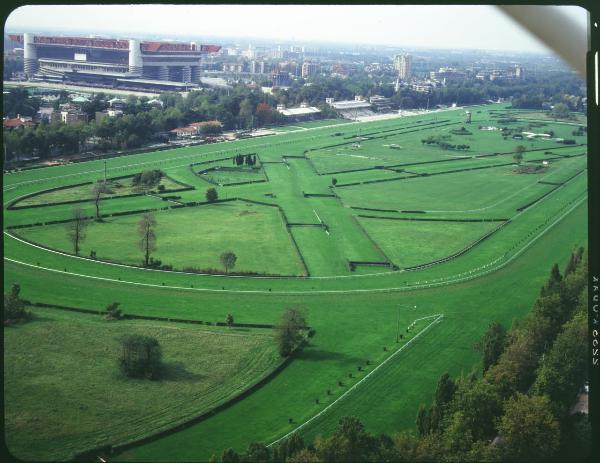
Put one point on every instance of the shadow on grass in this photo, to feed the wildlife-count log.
(176, 371)
(319, 355)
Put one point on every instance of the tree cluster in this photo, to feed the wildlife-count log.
(140, 356)
(247, 159)
(147, 178)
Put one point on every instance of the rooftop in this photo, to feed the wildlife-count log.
(299, 111)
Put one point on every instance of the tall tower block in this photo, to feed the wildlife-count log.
(30, 58)
(135, 57)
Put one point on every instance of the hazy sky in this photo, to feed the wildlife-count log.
(479, 27)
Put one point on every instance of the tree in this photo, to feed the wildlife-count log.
(140, 356)
(76, 228)
(230, 456)
(229, 320)
(445, 390)
(529, 430)
(257, 453)
(554, 281)
(147, 242)
(518, 156)
(563, 370)
(99, 189)
(228, 259)
(113, 312)
(560, 111)
(211, 195)
(480, 405)
(263, 114)
(14, 306)
(574, 261)
(289, 447)
(422, 422)
(334, 181)
(289, 330)
(491, 345)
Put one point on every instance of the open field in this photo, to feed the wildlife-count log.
(254, 233)
(409, 243)
(115, 187)
(62, 384)
(403, 202)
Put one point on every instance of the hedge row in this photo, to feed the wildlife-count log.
(418, 219)
(383, 254)
(459, 253)
(352, 264)
(373, 209)
(147, 317)
(132, 212)
(522, 208)
(399, 129)
(542, 182)
(318, 195)
(297, 224)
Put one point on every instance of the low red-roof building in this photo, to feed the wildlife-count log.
(17, 122)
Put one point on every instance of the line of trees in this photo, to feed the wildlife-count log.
(519, 410)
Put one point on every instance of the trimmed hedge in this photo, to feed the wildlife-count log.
(459, 253)
(418, 219)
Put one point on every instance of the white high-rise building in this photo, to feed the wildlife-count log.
(403, 64)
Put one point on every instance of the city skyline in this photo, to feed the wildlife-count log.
(351, 24)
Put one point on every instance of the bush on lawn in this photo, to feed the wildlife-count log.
(140, 356)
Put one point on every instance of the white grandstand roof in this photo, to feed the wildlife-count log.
(299, 111)
(350, 104)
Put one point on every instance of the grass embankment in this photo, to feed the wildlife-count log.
(64, 393)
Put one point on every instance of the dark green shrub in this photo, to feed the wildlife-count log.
(140, 356)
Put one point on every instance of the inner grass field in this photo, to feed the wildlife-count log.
(189, 238)
(409, 243)
(115, 187)
(298, 222)
(64, 393)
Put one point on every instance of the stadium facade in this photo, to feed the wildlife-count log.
(112, 62)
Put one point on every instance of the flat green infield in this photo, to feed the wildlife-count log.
(412, 243)
(115, 187)
(190, 237)
(64, 392)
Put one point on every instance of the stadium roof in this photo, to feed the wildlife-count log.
(299, 111)
(350, 104)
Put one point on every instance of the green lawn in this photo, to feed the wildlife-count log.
(497, 189)
(189, 237)
(410, 243)
(64, 393)
(116, 187)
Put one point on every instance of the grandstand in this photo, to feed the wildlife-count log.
(351, 109)
(112, 62)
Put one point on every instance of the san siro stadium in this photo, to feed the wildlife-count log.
(106, 62)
